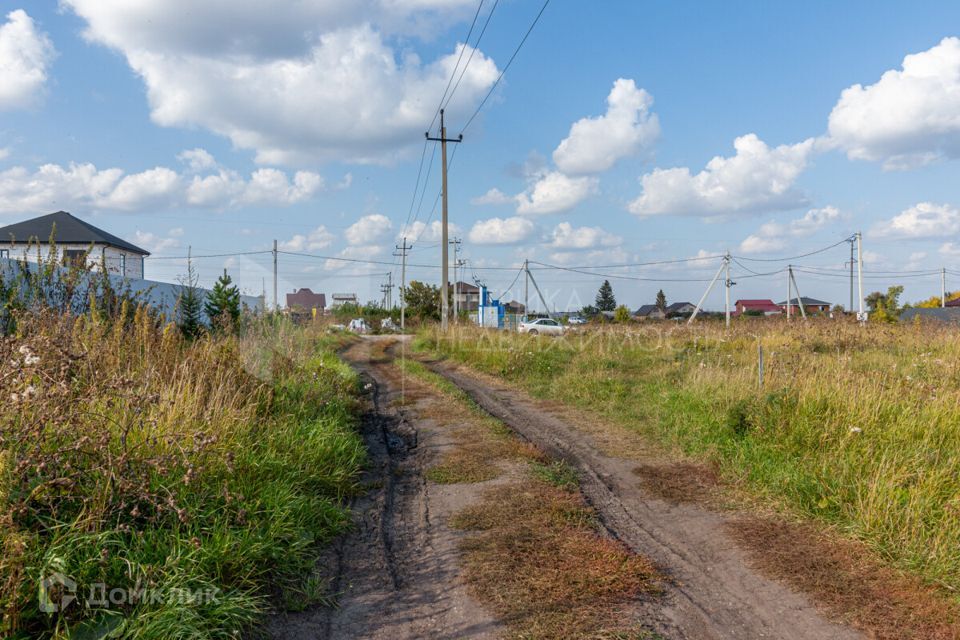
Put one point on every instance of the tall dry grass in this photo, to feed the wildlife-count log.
(205, 473)
(855, 426)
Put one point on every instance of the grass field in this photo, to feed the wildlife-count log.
(195, 481)
(855, 426)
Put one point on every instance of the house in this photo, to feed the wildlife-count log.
(810, 305)
(757, 308)
(953, 303)
(680, 309)
(304, 302)
(75, 241)
(466, 296)
(650, 312)
(515, 308)
(340, 299)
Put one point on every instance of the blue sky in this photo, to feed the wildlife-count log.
(221, 126)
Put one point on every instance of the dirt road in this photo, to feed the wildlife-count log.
(398, 574)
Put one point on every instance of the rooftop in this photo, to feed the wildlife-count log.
(66, 229)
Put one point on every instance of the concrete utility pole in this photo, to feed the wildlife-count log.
(696, 310)
(729, 283)
(789, 290)
(402, 252)
(275, 307)
(456, 295)
(852, 262)
(860, 272)
(445, 269)
(943, 287)
(793, 279)
(456, 283)
(526, 287)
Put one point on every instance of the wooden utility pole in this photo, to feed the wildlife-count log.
(402, 252)
(444, 240)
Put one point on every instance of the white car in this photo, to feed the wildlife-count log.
(576, 320)
(546, 326)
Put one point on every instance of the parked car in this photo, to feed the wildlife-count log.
(576, 320)
(359, 325)
(547, 326)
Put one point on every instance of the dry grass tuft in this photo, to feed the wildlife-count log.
(538, 560)
(678, 482)
(848, 581)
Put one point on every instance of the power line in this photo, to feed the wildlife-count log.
(509, 62)
(456, 66)
(804, 255)
(212, 255)
(472, 52)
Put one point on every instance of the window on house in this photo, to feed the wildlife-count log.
(4, 254)
(123, 264)
(74, 257)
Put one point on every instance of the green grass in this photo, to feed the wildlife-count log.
(855, 426)
(136, 459)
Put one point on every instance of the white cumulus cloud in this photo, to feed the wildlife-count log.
(774, 236)
(923, 220)
(368, 229)
(910, 117)
(296, 82)
(84, 186)
(501, 231)
(319, 238)
(596, 144)
(421, 231)
(758, 178)
(492, 197)
(554, 192)
(566, 236)
(25, 58)
(197, 159)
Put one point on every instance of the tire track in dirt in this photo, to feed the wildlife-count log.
(396, 574)
(715, 594)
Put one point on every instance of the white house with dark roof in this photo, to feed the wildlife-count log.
(74, 240)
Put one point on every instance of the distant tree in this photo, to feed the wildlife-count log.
(934, 301)
(885, 307)
(621, 314)
(589, 311)
(223, 303)
(661, 301)
(422, 300)
(190, 304)
(605, 298)
(837, 309)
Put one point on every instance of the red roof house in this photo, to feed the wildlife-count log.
(755, 307)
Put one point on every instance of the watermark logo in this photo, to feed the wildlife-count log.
(57, 592)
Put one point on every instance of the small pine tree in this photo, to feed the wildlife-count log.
(605, 298)
(223, 303)
(190, 304)
(622, 314)
(662, 301)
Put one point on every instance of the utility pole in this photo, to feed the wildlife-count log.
(456, 283)
(696, 310)
(789, 290)
(526, 287)
(402, 252)
(275, 308)
(943, 287)
(444, 271)
(860, 273)
(852, 262)
(456, 296)
(729, 284)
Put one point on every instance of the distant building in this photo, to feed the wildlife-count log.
(305, 302)
(953, 303)
(650, 312)
(75, 241)
(466, 295)
(680, 309)
(810, 305)
(757, 307)
(515, 308)
(340, 299)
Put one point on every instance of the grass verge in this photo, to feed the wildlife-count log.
(191, 483)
